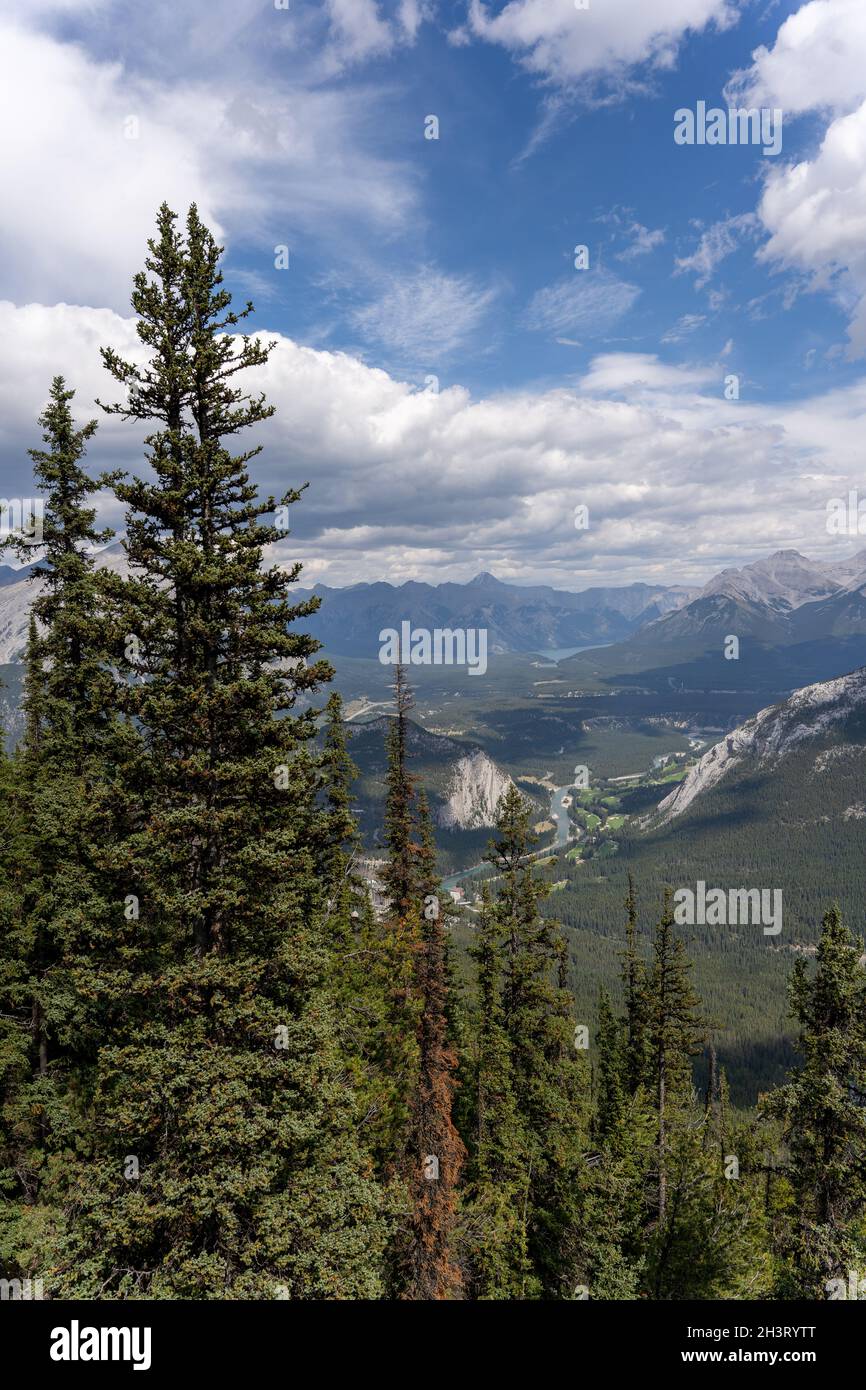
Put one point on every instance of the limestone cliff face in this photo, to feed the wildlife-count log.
(768, 737)
(473, 793)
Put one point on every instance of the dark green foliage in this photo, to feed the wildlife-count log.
(227, 1069)
(56, 895)
(227, 1160)
(527, 1133)
(822, 1111)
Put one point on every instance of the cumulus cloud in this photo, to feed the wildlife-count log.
(815, 210)
(817, 61)
(605, 43)
(407, 482)
(97, 148)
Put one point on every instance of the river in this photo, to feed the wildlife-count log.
(564, 832)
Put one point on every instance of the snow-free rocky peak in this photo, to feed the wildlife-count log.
(786, 580)
(473, 793)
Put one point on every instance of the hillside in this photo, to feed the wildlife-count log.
(778, 803)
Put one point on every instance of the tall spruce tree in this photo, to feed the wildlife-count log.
(549, 1079)
(227, 1162)
(435, 1151)
(57, 802)
(674, 1037)
(822, 1110)
(634, 979)
(495, 1220)
(611, 1087)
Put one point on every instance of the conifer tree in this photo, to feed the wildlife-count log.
(822, 1110)
(435, 1150)
(397, 945)
(674, 1036)
(634, 978)
(497, 1174)
(56, 799)
(549, 1081)
(228, 1163)
(611, 1080)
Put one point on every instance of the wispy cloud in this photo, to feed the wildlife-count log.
(643, 242)
(585, 304)
(425, 315)
(717, 242)
(686, 324)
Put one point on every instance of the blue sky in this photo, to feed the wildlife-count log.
(499, 217)
(449, 383)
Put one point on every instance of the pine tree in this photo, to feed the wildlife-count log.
(56, 800)
(549, 1080)
(674, 1036)
(401, 872)
(822, 1110)
(497, 1175)
(396, 945)
(435, 1151)
(634, 978)
(228, 1163)
(611, 1080)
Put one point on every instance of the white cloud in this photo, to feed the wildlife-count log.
(817, 61)
(359, 28)
(411, 15)
(425, 316)
(79, 196)
(643, 242)
(588, 302)
(685, 324)
(609, 40)
(717, 243)
(630, 371)
(36, 8)
(404, 482)
(815, 212)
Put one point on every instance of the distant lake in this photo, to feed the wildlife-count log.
(560, 653)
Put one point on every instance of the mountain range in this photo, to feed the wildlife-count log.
(518, 618)
(796, 620)
(783, 601)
